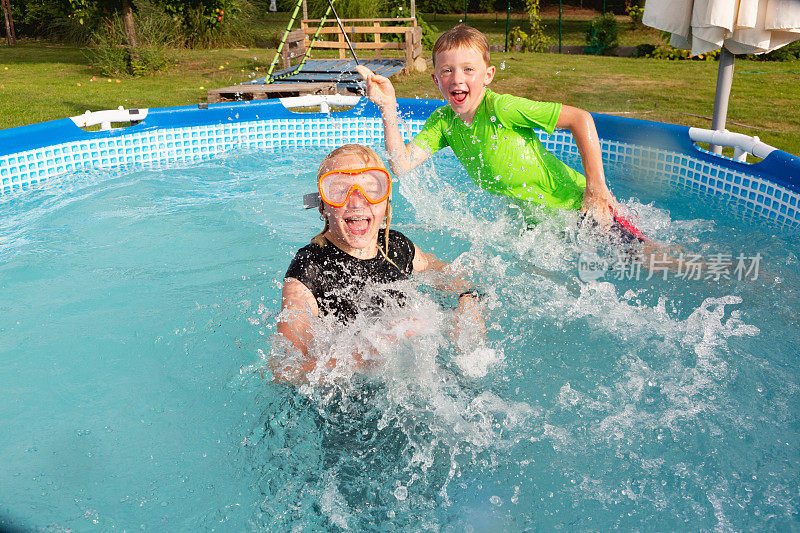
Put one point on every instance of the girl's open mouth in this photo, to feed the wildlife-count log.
(358, 224)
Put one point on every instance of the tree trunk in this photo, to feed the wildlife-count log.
(10, 37)
(130, 34)
(127, 21)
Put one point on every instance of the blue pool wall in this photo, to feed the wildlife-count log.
(30, 155)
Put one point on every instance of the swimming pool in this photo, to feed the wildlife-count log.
(137, 300)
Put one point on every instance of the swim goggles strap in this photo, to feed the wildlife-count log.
(311, 200)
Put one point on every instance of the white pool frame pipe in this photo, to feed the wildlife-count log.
(742, 144)
(106, 117)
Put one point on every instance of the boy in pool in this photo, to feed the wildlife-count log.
(492, 134)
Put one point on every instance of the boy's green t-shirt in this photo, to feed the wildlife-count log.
(501, 151)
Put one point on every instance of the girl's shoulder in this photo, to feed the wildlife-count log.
(401, 250)
(398, 237)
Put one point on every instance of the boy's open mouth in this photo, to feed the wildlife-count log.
(459, 96)
(358, 224)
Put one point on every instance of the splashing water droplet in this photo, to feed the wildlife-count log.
(401, 493)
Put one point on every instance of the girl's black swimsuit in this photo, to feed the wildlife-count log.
(338, 280)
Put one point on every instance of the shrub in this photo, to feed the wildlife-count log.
(112, 54)
(536, 41)
(644, 50)
(601, 35)
(51, 20)
(790, 52)
(518, 37)
(665, 51)
(429, 32)
(214, 23)
(635, 12)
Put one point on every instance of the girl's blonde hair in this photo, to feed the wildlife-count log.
(370, 158)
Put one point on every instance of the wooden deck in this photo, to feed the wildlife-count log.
(341, 72)
(329, 76)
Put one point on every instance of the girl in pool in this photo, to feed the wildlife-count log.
(346, 268)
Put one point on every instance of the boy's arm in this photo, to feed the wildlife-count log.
(597, 199)
(402, 157)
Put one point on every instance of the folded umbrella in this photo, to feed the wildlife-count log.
(736, 26)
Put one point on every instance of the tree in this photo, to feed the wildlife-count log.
(82, 8)
(10, 36)
(127, 21)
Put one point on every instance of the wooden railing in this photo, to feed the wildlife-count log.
(298, 41)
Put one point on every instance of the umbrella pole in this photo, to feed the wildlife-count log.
(724, 82)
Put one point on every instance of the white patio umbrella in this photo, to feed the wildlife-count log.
(736, 26)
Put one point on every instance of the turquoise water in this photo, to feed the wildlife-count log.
(138, 308)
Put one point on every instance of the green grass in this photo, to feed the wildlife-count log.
(42, 81)
(39, 82)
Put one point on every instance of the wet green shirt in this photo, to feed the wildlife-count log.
(501, 151)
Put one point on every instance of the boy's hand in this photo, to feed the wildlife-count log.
(600, 204)
(379, 89)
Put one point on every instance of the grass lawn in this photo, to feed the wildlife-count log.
(41, 81)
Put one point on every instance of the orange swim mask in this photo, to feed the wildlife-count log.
(336, 186)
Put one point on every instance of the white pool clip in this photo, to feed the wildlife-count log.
(324, 101)
(106, 117)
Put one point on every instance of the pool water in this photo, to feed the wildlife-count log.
(138, 309)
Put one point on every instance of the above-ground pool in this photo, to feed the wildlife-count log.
(141, 274)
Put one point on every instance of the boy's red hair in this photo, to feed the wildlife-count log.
(462, 35)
